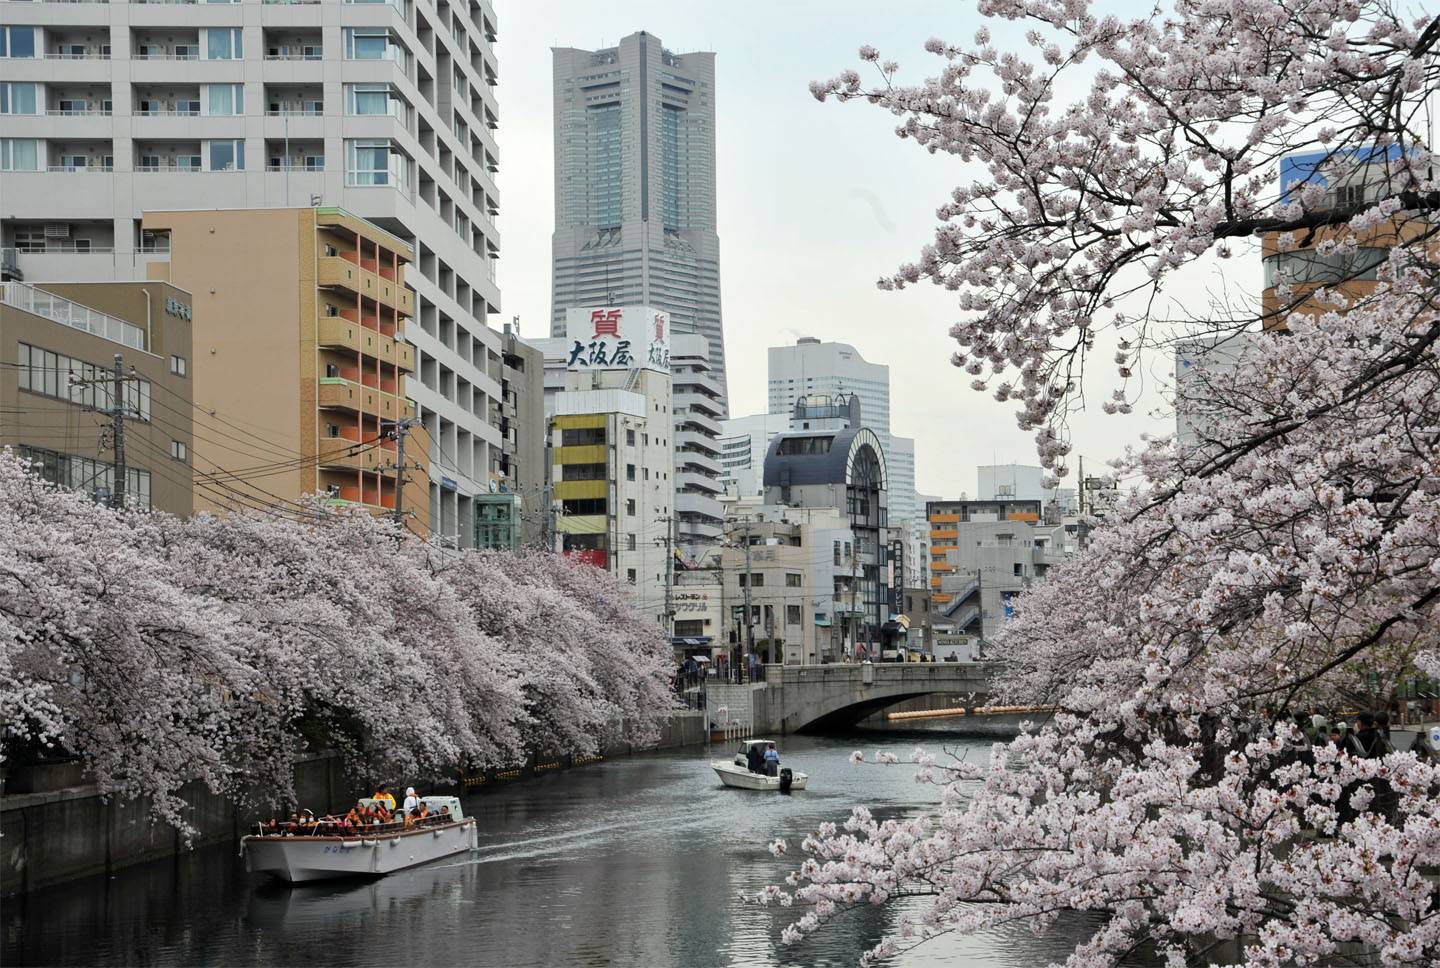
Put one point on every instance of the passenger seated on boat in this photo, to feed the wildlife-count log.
(422, 812)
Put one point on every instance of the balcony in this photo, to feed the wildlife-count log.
(341, 333)
(357, 457)
(698, 421)
(338, 393)
(703, 460)
(343, 272)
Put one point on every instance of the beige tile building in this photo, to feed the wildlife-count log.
(300, 361)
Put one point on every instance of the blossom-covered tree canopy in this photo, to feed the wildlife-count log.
(162, 650)
(1284, 561)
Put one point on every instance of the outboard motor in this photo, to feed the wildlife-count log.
(786, 778)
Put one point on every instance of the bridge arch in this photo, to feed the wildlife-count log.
(799, 698)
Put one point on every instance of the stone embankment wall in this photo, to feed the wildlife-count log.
(60, 829)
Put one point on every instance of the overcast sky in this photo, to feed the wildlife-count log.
(816, 201)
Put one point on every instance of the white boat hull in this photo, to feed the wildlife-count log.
(302, 859)
(742, 779)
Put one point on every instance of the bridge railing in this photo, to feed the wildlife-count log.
(881, 672)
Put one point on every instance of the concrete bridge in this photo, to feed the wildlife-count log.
(794, 698)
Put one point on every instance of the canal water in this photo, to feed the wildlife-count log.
(636, 861)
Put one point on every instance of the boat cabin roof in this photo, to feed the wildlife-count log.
(745, 744)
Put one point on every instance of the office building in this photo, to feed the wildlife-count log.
(613, 451)
(743, 443)
(385, 109)
(811, 368)
(843, 471)
(635, 187)
(59, 345)
(318, 318)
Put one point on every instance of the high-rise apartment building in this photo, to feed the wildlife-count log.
(387, 109)
(699, 403)
(635, 186)
(811, 368)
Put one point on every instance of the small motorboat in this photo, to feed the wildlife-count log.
(736, 773)
(369, 852)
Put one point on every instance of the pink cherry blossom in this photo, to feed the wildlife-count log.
(161, 651)
(1286, 560)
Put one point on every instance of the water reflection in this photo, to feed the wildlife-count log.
(636, 862)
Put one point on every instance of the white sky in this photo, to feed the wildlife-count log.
(816, 201)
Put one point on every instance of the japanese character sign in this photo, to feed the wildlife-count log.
(617, 338)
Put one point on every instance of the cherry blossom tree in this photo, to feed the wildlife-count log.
(1286, 560)
(163, 651)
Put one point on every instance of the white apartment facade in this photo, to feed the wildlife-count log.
(699, 409)
(386, 109)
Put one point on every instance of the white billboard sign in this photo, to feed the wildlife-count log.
(617, 338)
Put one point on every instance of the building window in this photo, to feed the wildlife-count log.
(17, 98)
(646, 472)
(84, 384)
(629, 472)
(226, 155)
(629, 542)
(792, 580)
(332, 430)
(224, 99)
(630, 507)
(757, 579)
(371, 43)
(17, 42)
(1019, 570)
(792, 615)
(630, 438)
(373, 99)
(177, 365)
(375, 163)
(178, 450)
(224, 43)
(630, 575)
(19, 154)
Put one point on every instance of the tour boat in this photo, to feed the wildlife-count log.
(371, 852)
(736, 773)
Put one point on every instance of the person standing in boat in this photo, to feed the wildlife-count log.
(755, 759)
(384, 796)
(772, 761)
(412, 802)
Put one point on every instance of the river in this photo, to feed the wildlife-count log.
(635, 861)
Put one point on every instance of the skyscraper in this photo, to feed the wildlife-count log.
(387, 109)
(635, 186)
(811, 368)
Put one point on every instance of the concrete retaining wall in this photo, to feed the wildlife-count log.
(58, 835)
(55, 836)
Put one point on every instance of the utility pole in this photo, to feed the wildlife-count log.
(854, 625)
(401, 431)
(745, 585)
(117, 430)
(669, 574)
